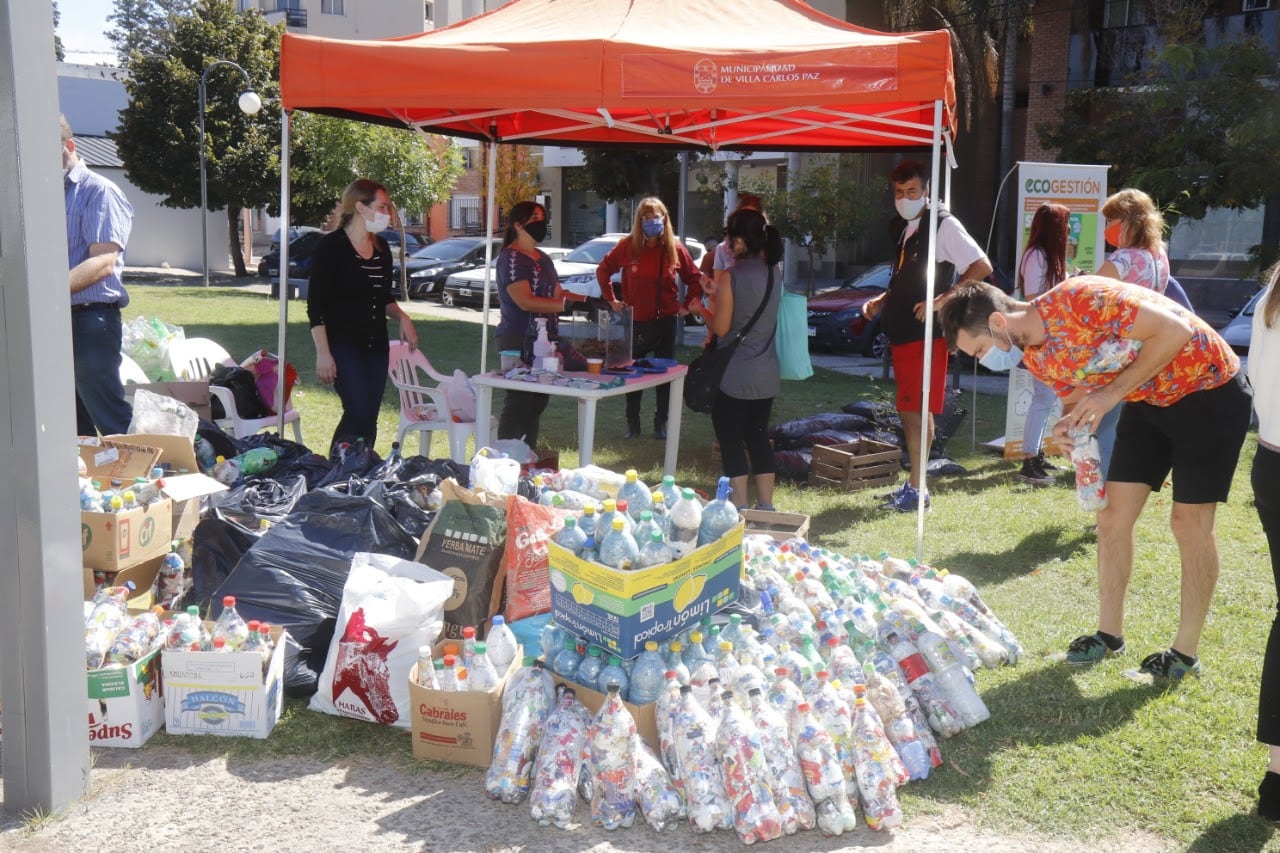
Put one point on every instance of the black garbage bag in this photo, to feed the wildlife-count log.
(793, 464)
(945, 467)
(946, 424)
(791, 434)
(287, 452)
(403, 487)
(869, 409)
(354, 458)
(294, 575)
(828, 437)
(222, 444)
(232, 527)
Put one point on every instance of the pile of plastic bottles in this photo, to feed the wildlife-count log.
(120, 496)
(114, 637)
(854, 671)
(626, 525)
(472, 664)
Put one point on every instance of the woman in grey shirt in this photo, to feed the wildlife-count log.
(741, 412)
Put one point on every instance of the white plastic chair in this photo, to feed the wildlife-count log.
(131, 372)
(195, 358)
(425, 408)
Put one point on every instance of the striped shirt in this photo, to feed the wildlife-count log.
(97, 212)
(349, 294)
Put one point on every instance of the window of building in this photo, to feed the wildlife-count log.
(333, 7)
(465, 213)
(1256, 5)
(429, 14)
(1122, 13)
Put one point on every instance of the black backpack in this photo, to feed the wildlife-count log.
(244, 388)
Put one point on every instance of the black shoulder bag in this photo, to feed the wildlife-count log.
(702, 382)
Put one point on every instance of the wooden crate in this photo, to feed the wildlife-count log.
(780, 525)
(862, 464)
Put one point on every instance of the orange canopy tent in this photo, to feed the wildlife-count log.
(687, 74)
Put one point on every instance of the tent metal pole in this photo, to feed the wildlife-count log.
(931, 283)
(489, 218)
(284, 268)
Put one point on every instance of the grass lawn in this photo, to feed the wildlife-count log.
(1074, 754)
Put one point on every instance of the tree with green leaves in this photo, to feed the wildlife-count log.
(622, 173)
(825, 204)
(58, 53)
(158, 137)
(1196, 128)
(145, 26)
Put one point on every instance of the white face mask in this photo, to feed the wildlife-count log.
(379, 222)
(998, 360)
(909, 208)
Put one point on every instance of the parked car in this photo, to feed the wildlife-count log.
(431, 265)
(467, 287)
(836, 321)
(577, 270)
(1239, 330)
(295, 231)
(301, 248)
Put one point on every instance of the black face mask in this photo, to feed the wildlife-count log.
(537, 230)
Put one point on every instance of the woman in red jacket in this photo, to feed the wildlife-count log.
(651, 259)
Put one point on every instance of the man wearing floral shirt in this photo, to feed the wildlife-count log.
(1098, 342)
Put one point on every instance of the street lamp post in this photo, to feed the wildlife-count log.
(250, 103)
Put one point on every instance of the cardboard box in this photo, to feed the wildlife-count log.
(619, 611)
(126, 704)
(780, 525)
(143, 576)
(117, 458)
(861, 464)
(113, 541)
(223, 693)
(195, 394)
(644, 715)
(188, 493)
(457, 727)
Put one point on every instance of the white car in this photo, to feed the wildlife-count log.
(577, 270)
(467, 287)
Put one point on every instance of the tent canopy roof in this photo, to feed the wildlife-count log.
(708, 74)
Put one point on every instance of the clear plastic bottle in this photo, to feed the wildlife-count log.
(468, 644)
(542, 346)
(874, 769)
(526, 703)
(746, 775)
(656, 551)
(898, 724)
(657, 796)
(220, 645)
(718, 516)
(646, 527)
(551, 639)
(1091, 480)
(567, 660)
(933, 699)
(554, 794)
(949, 674)
(661, 512)
(226, 471)
(171, 579)
(613, 673)
(482, 676)
(647, 676)
(426, 669)
(635, 493)
(604, 520)
(784, 694)
(686, 519)
(449, 674)
(695, 653)
(229, 625)
(670, 491)
(589, 551)
(618, 549)
(502, 644)
(705, 795)
(823, 775)
(794, 806)
(589, 669)
(571, 537)
(610, 740)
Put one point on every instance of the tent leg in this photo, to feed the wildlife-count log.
(930, 289)
(283, 324)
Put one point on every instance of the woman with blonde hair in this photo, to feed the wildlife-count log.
(1264, 375)
(1136, 228)
(651, 259)
(349, 299)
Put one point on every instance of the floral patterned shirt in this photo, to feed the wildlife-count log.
(1140, 267)
(1087, 320)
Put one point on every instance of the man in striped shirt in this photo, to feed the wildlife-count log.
(99, 219)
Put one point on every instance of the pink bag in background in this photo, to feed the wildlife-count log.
(265, 367)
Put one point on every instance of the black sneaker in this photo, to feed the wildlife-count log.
(1045, 464)
(1035, 475)
(1168, 664)
(633, 429)
(1090, 649)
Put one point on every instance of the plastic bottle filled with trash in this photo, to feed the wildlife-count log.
(887, 668)
(1091, 480)
(899, 727)
(949, 674)
(525, 706)
(661, 512)
(747, 780)
(502, 644)
(719, 516)
(660, 803)
(230, 625)
(686, 520)
(705, 796)
(426, 669)
(646, 527)
(647, 676)
(670, 491)
(564, 738)
(171, 579)
(604, 520)
(654, 552)
(137, 639)
(611, 740)
(875, 774)
(109, 616)
(795, 809)
(635, 493)
(618, 549)
(823, 775)
(664, 714)
(613, 673)
(590, 552)
(482, 675)
(933, 698)
(571, 537)
(226, 471)
(589, 670)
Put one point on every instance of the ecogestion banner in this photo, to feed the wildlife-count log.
(1081, 189)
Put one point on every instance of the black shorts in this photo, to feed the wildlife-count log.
(1198, 438)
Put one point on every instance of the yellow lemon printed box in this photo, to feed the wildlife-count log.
(621, 610)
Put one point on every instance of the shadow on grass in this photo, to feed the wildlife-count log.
(991, 567)
(1240, 832)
